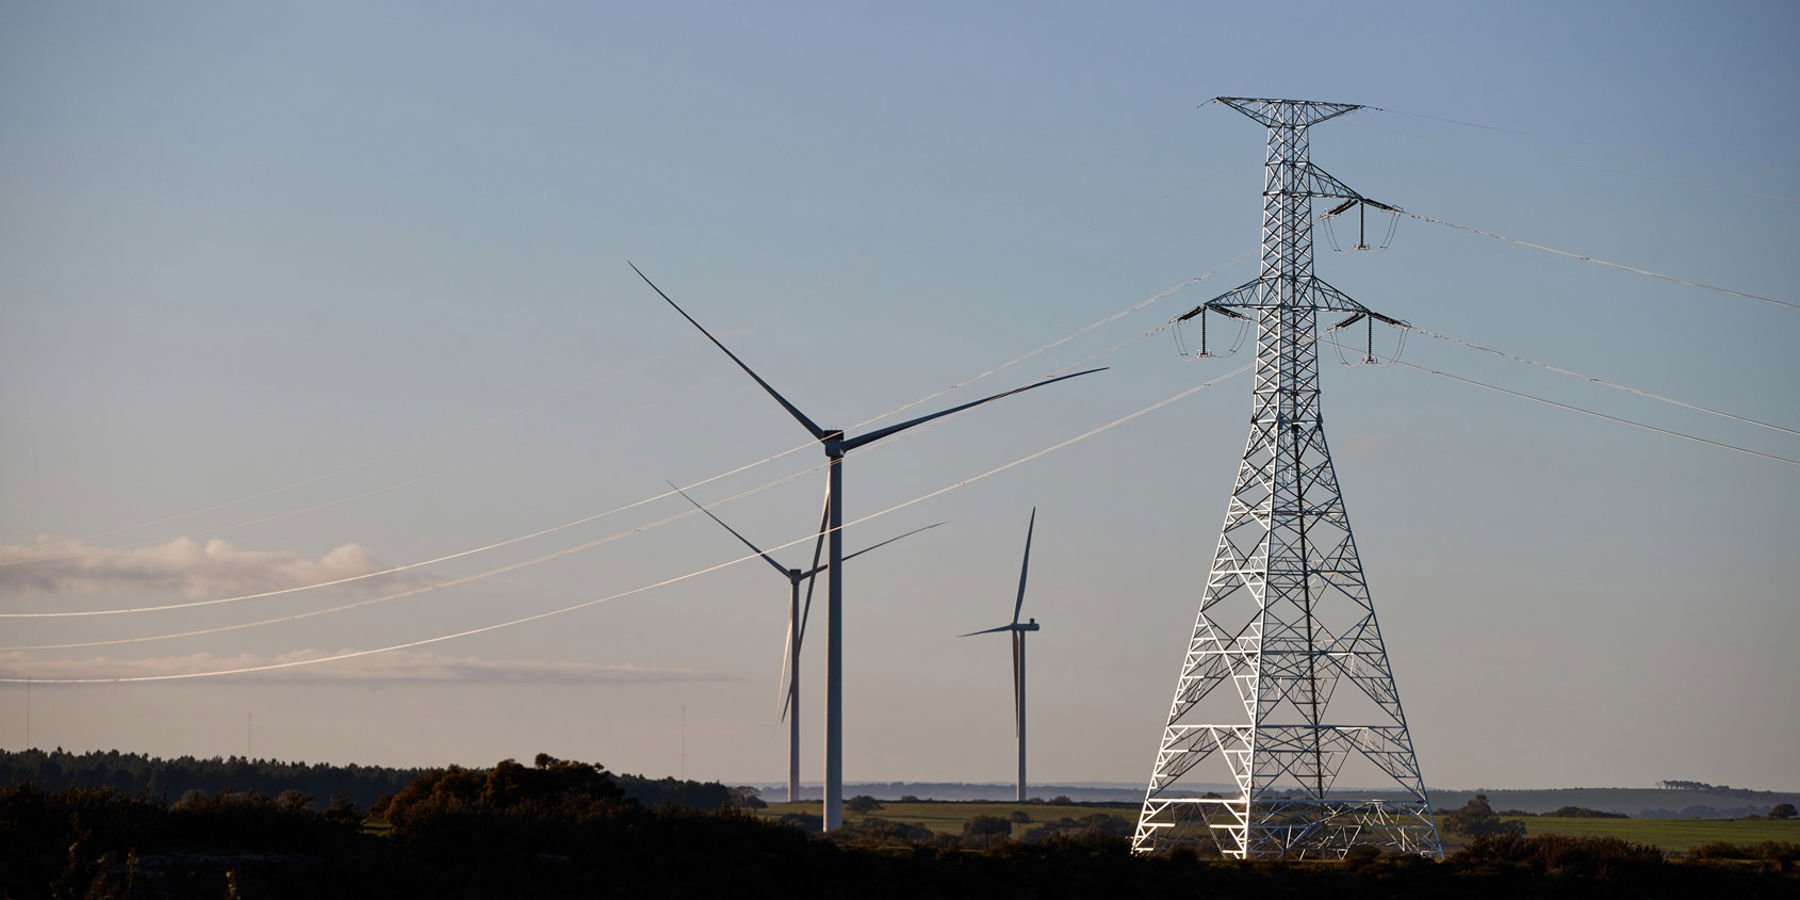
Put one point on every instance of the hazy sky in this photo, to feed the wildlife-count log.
(290, 292)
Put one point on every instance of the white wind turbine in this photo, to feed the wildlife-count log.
(836, 444)
(1018, 630)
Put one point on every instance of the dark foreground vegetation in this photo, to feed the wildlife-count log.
(567, 829)
(359, 786)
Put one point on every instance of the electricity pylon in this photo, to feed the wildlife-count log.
(1286, 617)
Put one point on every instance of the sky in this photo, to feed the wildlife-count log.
(290, 293)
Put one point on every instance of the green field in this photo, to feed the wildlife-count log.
(1669, 834)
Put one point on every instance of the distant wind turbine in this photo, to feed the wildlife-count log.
(796, 628)
(836, 445)
(1018, 646)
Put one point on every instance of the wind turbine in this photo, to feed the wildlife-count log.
(796, 630)
(1018, 630)
(836, 445)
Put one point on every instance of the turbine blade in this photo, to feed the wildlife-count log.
(849, 556)
(812, 576)
(786, 642)
(734, 532)
(1025, 567)
(1018, 677)
(987, 631)
(817, 432)
(878, 434)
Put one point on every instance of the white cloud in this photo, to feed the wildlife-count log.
(383, 668)
(182, 565)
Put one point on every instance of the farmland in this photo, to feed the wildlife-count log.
(1677, 835)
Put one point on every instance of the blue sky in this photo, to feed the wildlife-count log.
(244, 246)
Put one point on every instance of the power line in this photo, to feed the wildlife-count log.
(502, 416)
(1609, 170)
(1596, 260)
(421, 589)
(1593, 379)
(1654, 151)
(1086, 329)
(501, 570)
(591, 518)
(1611, 418)
(407, 645)
(395, 569)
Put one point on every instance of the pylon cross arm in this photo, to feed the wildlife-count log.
(1295, 113)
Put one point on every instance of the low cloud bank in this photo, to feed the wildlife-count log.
(183, 565)
(384, 668)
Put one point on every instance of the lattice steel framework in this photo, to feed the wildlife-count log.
(1286, 617)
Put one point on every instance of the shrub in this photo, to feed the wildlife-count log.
(986, 828)
(1557, 854)
(807, 822)
(1582, 812)
(1478, 819)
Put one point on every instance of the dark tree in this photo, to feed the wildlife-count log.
(1782, 811)
(862, 804)
(746, 797)
(1477, 819)
(985, 829)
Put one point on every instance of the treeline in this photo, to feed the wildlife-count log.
(557, 829)
(1725, 789)
(168, 780)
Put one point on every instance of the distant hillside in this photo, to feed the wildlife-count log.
(1638, 803)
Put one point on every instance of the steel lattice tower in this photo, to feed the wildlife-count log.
(1286, 618)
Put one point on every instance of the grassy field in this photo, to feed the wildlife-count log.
(1669, 834)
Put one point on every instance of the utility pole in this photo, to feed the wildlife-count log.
(1286, 678)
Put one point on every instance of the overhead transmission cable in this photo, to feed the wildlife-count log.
(1607, 170)
(1587, 412)
(1584, 411)
(1597, 261)
(1554, 138)
(502, 416)
(1593, 379)
(420, 589)
(1086, 329)
(392, 570)
(1611, 418)
(629, 506)
(407, 645)
(516, 566)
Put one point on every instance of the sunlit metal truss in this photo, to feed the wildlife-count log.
(1286, 618)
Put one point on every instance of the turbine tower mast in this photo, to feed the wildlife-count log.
(1286, 614)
